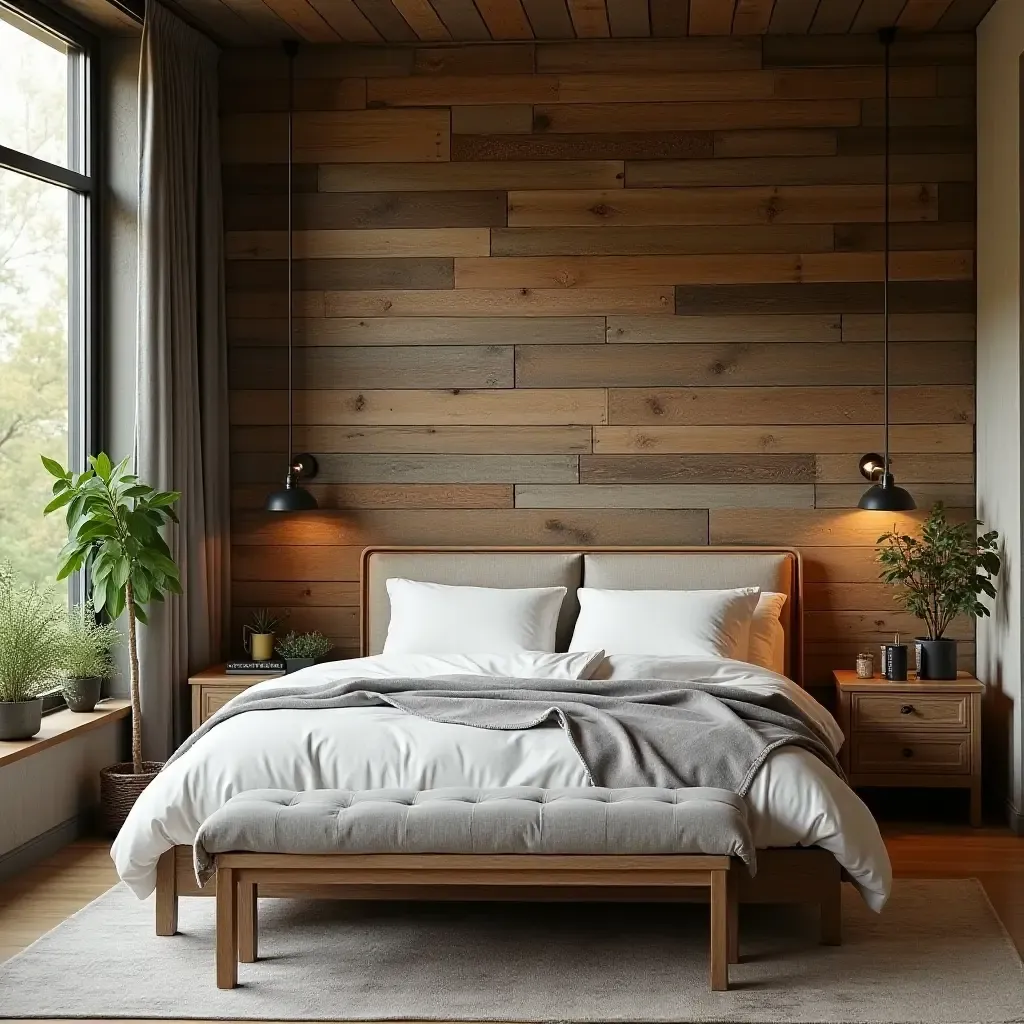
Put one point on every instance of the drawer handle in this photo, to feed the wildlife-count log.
(908, 752)
(907, 709)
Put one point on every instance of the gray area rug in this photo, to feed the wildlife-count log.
(938, 954)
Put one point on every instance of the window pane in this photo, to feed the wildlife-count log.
(34, 346)
(34, 80)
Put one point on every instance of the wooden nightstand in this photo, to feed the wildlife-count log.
(913, 733)
(213, 688)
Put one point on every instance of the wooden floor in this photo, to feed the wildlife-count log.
(40, 899)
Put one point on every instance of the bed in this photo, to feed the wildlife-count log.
(811, 829)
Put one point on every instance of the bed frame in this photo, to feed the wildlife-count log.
(798, 875)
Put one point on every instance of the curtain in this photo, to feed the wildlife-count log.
(181, 428)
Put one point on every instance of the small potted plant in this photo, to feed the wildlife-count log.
(941, 574)
(88, 659)
(32, 640)
(258, 634)
(114, 522)
(300, 650)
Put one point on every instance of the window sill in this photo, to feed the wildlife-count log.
(62, 726)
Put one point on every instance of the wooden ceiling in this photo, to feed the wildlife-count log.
(250, 22)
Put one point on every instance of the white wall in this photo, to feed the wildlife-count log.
(1000, 45)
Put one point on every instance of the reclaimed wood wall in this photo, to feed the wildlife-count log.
(608, 293)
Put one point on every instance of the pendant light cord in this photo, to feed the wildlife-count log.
(887, 37)
(290, 48)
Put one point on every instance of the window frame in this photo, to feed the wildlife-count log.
(84, 237)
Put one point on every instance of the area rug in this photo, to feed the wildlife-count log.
(937, 954)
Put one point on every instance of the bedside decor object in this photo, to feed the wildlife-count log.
(883, 495)
(941, 574)
(32, 652)
(292, 497)
(114, 522)
(894, 660)
(916, 733)
(300, 650)
(258, 634)
(88, 658)
(865, 666)
(270, 667)
(215, 686)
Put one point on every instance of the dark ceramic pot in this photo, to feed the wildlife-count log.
(294, 664)
(20, 719)
(936, 659)
(82, 693)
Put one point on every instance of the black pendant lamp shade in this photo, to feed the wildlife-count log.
(292, 497)
(883, 495)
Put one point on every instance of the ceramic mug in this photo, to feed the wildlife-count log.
(259, 646)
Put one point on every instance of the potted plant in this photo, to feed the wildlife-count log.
(114, 524)
(941, 574)
(258, 634)
(88, 658)
(300, 650)
(32, 641)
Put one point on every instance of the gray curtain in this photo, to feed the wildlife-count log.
(181, 423)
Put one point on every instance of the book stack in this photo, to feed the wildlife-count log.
(272, 667)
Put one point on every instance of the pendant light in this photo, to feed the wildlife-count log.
(884, 495)
(292, 498)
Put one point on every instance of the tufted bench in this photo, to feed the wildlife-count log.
(464, 838)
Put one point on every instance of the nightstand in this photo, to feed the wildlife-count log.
(913, 733)
(213, 688)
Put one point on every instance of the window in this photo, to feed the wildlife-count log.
(48, 215)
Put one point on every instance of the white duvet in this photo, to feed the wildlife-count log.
(794, 801)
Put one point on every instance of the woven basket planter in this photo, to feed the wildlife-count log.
(120, 787)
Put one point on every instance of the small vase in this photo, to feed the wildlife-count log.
(294, 664)
(936, 659)
(261, 646)
(82, 693)
(20, 719)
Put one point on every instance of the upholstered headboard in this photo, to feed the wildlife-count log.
(703, 568)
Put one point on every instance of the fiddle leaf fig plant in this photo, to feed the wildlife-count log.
(944, 572)
(114, 522)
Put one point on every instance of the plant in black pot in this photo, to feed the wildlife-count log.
(32, 643)
(941, 574)
(114, 523)
(88, 660)
(300, 650)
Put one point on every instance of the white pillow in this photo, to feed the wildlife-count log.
(767, 637)
(665, 622)
(432, 618)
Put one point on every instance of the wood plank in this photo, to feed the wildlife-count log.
(704, 329)
(830, 565)
(559, 527)
(792, 17)
(309, 94)
(727, 268)
(589, 18)
(910, 469)
(697, 469)
(313, 563)
(501, 302)
(654, 117)
(550, 19)
(939, 110)
(913, 140)
(910, 327)
(351, 244)
(664, 87)
(795, 204)
(348, 136)
(751, 17)
(421, 367)
(494, 118)
(853, 83)
(655, 440)
(629, 18)
(595, 146)
(249, 275)
(690, 406)
(505, 19)
(849, 597)
(841, 528)
(625, 241)
(834, 17)
(926, 495)
(337, 624)
(351, 496)
(456, 179)
(670, 17)
(650, 56)
(462, 19)
(758, 142)
(804, 51)
(866, 625)
(274, 304)
(423, 19)
(304, 19)
(711, 17)
(432, 440)
(261, 467)
(491, 58)
(665, 496)
(295, 594)
(722, 365)
(535, 330)
(536, 407)
(924, 235)
(462, 90)
(964, 15)
(386, 19)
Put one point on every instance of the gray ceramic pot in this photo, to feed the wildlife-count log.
(83, 692)
(294, 664)
(936, 659)
(20, 719)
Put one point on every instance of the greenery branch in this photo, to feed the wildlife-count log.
(90, 644)
(303, 645)
(33, 640)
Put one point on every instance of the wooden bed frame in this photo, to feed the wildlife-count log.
(792, 875)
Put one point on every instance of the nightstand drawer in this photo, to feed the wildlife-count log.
(908, 755)
(213, 698)
(910, 712)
